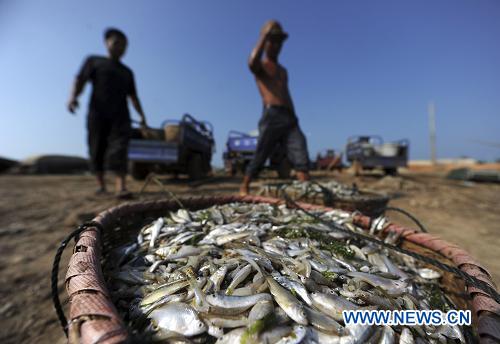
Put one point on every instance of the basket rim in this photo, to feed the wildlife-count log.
(90, 298)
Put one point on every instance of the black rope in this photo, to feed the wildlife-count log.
(470, 280)
(55, 271)
(402, 211)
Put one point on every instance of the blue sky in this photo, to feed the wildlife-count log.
(355, 67)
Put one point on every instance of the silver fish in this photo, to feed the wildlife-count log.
(178, 317)
(294, 287)
(155, 231)
(236, 302)
(323, 323)
(392, 287)
(232, 337)
(260, 310)
(297, 335)
(287, 301)
(332, 305)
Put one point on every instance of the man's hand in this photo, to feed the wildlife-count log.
(266, 30)
(72, 105)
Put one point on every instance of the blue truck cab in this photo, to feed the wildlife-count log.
(240, 150)
(179, 147)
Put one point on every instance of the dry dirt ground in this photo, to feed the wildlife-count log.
(37, 212)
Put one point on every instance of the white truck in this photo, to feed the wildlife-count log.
(368, 152)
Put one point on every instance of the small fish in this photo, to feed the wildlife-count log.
(287, 301)
(392, 287)
(260, 310)
(164, 290)
(155, 231)
(225, 321)
(298, 334)
(406, 337)
(332, 305)
(236, 302)
(182, 216)
(388, 336)
(178, 317)
(323, 323)
(275, 334)
(429, 273)
(232, 337)
(238, 278)
(294, 287)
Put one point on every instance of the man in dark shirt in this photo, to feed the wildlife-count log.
(278, 124)
(108, 121)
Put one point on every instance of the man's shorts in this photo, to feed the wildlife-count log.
(279, 125)
(108, 143)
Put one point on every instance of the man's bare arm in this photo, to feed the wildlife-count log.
(137, 106)
(255, 60)
(75, 92)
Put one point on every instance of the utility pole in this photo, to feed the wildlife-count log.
(432, 131)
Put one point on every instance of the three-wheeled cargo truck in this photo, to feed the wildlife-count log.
(368, 152)
(240, 150)
(328, 160)
(179, 147)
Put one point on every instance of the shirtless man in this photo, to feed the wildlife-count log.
(278, 124)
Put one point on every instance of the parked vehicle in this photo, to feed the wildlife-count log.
(180, 147)
(240, 150)
(368, 152)
(328, 160)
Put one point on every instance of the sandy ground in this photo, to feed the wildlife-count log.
(37, 212)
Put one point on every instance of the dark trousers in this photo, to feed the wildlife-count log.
(108, 143)
(279, 125)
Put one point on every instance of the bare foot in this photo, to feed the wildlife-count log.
(303, 176)
(245, 186)
(244, 190)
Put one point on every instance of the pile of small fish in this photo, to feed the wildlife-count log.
(301, 189)
(258, 273)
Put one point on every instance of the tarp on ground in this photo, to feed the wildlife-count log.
(53, 164)
(7, 164)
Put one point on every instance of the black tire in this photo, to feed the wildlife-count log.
(284, 169)
(195, 168)
(233, 171)
(139, 171)
(391, 171)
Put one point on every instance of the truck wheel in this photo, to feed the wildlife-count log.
(195, 168)
(138, 171)
(233, 170)
(391, 171)
(284, 169)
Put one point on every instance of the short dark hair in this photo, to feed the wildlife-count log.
(110, 32)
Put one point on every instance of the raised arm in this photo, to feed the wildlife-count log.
(255, 60)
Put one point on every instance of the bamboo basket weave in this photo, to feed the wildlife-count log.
(94, 319)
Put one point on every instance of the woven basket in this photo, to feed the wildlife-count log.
(369, 203)
(172, 132)
(94, 319)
